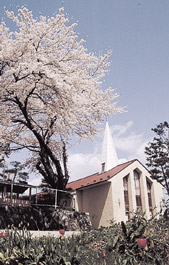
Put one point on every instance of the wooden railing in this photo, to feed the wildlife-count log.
(18, 202)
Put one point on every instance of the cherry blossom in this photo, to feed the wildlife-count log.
(50, 90)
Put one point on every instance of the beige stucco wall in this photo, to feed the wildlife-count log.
(97, 201)
(157, 196)
(118, 196)
(105, 202)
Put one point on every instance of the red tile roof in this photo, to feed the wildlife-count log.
(97, 177)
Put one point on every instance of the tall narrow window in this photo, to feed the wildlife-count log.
(149, 198)
(126, 198)
(137, 190)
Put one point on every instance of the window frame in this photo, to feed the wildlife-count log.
(126, 197)
(138, 195)
(149, 195)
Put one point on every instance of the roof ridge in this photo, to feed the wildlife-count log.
(97, 173)
(99, 177)
(127, 162)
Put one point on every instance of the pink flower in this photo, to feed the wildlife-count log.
(142, 242)
(62, 231)
(104, 253)
(3, 234)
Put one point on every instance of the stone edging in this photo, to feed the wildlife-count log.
(50, 233)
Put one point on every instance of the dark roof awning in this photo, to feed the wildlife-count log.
(17, 187)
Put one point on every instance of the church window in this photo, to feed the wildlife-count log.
(126, 197)
(149, 188)
(137, 190)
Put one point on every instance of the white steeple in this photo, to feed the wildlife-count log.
(109, 155)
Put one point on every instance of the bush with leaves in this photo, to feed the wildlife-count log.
(116, 244)
(126, 249)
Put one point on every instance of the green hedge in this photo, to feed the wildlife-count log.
(43, 218)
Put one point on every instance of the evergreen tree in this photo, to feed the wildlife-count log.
(157, 153)
(16, 171)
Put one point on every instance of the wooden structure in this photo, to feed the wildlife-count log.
(12, 193)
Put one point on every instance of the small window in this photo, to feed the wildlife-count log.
(103, 167)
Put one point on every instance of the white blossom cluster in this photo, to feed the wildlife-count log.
(50, 85)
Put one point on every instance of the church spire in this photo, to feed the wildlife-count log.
(109, 155)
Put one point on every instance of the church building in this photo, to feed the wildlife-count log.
(117, 190)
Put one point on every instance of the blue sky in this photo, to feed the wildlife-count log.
(137, 31)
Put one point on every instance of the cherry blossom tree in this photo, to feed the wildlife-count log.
(50, 90)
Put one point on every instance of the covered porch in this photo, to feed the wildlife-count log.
(14, 193)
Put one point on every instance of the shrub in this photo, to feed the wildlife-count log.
(117, 244)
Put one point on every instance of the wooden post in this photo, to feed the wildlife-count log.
(4, 193)
(11, 191)
(30, 194)
(55, 199)
(36, 197)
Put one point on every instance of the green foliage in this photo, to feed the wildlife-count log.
(156, 233)
(116, 244)
(16, 169)
(157, 153)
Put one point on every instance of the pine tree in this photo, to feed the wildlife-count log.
(157, 153)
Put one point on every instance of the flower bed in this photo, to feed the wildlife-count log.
(138, 242)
